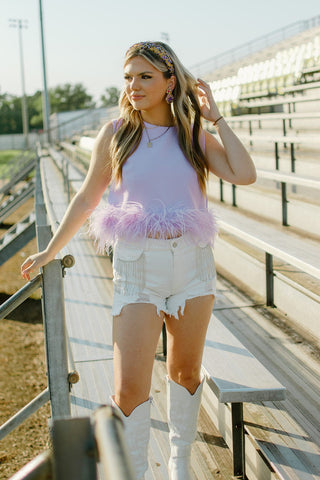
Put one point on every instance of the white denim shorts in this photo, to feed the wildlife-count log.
(165, 273)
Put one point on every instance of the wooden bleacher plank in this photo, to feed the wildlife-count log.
(301, 87)
(244, 378)
(94, 388)
(287, 446)
(306, 252)
(279, 100)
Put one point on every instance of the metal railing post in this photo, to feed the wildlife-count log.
(269, 280)
(221, 189)
(55, 338)
(276, 154)
(284, 130)
(234, 200)
(284, 202)
(292, 158)
(164, 339)
(238, 441)
(73, 449)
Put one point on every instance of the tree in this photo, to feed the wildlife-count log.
(111, 98)
(35, 111)
(10, 114)
(67, 97)
(62, 98)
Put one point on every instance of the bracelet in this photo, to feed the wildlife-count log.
(215, 123)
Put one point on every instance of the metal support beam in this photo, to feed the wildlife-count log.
(284, 127)
(164, 339)
(221, 189)
(234, 200)
(238, 441)
(269, 280)
(292, 157)
(290, 121)
(250, 131)
(284, 202)
(276, 154)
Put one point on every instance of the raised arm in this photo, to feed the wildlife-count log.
(81, 206)
(229, 161)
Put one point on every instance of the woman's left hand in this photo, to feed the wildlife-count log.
(208, 106)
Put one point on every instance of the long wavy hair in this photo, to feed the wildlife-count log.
(185, 110)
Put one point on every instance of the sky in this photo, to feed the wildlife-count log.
(85, 41)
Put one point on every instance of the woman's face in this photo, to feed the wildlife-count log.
(145, 86)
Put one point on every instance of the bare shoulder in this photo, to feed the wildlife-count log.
(104, 137)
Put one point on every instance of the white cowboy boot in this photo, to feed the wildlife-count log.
(183, 409)
(137, 434)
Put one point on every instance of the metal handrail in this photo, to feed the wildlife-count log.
(111, 445)
(40, 468)
(24, 413)
(20, 296)
(61, 369)
(78, 444)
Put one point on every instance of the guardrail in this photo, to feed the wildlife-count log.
(51, 283)
(77, 444)
(270, 252)
(283, 179)
(271, 117)
(293, 140)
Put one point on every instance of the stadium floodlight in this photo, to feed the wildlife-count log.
(45, 96)
(20, 24)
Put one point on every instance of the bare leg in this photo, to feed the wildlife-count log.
(186, 338)
(136, 333)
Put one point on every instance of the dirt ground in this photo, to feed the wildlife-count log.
(22, 360)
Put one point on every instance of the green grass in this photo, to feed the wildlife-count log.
(5, 157)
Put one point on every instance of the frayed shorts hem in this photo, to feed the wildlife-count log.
(174, 310)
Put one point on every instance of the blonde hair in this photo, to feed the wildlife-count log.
(185, 109)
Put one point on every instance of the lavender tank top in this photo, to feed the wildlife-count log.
(159, 196)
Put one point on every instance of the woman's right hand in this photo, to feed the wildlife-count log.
(34, 262)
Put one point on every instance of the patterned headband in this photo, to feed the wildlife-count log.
(158, 50)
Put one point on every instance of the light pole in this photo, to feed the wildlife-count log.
(20, 24)
(45, 97)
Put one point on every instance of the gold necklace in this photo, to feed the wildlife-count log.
(150, 140)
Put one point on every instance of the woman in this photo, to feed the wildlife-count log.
(157, 159)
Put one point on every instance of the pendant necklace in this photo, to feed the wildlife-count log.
(150, 140)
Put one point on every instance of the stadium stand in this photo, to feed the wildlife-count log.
(295, 62)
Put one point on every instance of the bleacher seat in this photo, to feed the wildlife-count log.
(285, 68)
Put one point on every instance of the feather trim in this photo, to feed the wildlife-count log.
(131, 221)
